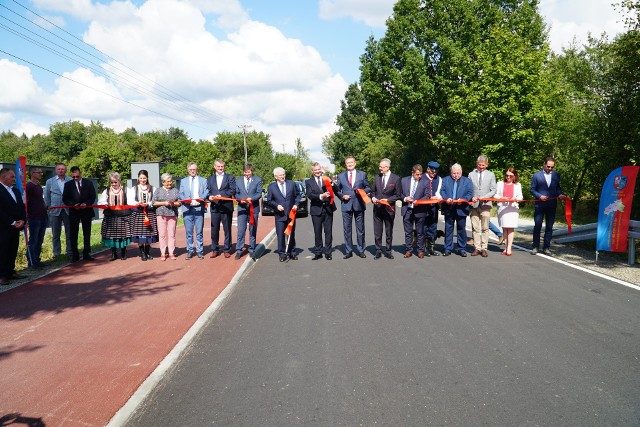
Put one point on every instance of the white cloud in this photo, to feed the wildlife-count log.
(92, 96)
(374, 13)
(569, 19)
(18, 88)
(28, 128)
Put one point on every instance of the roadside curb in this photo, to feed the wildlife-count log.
(122, 416)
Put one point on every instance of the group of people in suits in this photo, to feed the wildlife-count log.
(220, 190)
(456, 196)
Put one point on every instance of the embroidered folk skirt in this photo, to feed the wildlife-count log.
(144, 234)
(116, 231)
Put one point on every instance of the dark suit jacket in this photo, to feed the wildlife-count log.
(10, 211)
(275, 198)
(313, 193)
(421, 193)
(227, 189)
(254, 191)
(465, 191)
(392, 192)
(87, 195)
(539, 186)
(355, 203)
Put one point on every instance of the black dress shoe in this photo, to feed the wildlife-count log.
(432, 252)
(463, 254)
(238, 255)
(362, 255)
(389, 255)
(253, 256)
(349, 255)
(189, 255)
(283, 258)
(328, 257)
(88, 258)
(446, 253)
(16, 276)
(293, 257)
(316, 257)
(378, 255)
(75, 258)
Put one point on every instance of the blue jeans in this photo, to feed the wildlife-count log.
(495, 229)
(37, 230)
(243, 221)
(194, 219)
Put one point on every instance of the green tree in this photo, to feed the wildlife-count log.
(454, 78)
(105, 152)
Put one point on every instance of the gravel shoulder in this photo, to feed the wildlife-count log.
(609, 264)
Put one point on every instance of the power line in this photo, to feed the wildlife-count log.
(140, 84)
(103, 92)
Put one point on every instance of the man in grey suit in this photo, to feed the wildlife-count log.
(54, 187)
(249, 190)
(484, 185)
(195, 189)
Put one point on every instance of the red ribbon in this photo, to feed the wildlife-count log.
(113, 208)
(145, 221)
(363, 196)
(292, 217)
(327, 183)
(252, 221)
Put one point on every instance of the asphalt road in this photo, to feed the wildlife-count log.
(454, 341)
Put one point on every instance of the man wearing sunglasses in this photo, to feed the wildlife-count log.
(545, 187)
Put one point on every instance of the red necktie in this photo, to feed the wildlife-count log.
(351, 179)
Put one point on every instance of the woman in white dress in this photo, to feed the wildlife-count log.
(508, 212)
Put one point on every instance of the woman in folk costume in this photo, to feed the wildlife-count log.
(143, 220)
(116, 225)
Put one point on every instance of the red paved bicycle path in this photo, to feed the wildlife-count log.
(76, 344)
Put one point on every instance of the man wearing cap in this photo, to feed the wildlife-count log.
(484, 185)
(433, 185)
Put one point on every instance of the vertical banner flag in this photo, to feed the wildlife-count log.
(615, 209)
(21, 176)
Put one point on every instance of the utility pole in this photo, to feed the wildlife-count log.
(244, 137)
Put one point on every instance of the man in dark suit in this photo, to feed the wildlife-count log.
(545, 187)
(79, 193)
(352, 205)
(414, 187)
(433, 183)
(386, 188)
(12, 217)
(248, 188)
(321, 210)
(282, 197)
(221, 184)
(456, 191)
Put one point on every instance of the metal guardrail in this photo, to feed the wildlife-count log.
(589, 232)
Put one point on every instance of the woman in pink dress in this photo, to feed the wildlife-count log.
(508, 212)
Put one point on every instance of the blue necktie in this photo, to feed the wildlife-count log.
(455, 190)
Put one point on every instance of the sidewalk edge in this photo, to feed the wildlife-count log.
(122, 416)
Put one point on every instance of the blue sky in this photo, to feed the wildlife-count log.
(281, 66)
